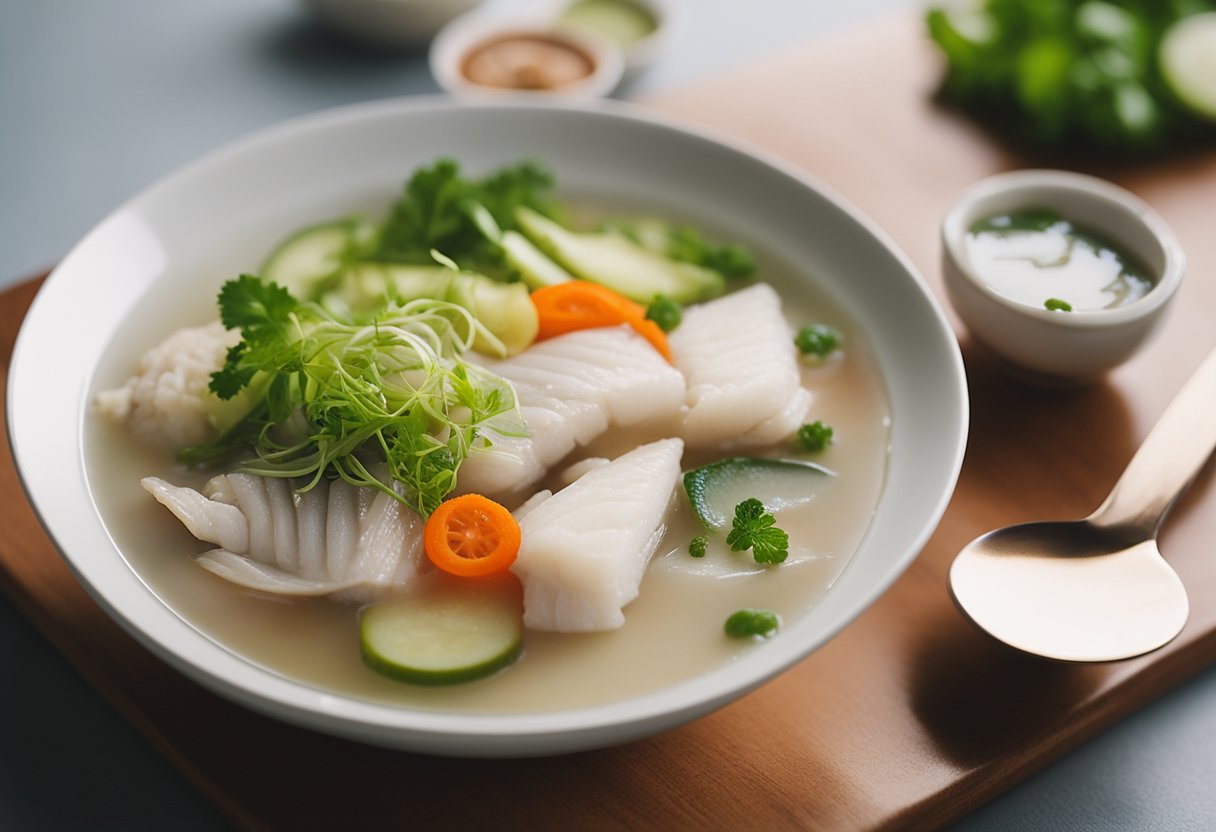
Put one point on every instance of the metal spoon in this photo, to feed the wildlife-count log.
(1096, 589)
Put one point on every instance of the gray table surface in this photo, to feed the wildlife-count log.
(99, 99)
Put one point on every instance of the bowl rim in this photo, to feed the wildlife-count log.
(954, 231)
(511, 734)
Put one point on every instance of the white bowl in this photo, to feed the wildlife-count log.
(181, 238)
(390, 23)
(1055, 347)
(460, 37)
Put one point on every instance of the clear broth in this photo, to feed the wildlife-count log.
(672, 632)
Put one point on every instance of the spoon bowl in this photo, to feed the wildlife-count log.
(1070, 590)
(1096, 589)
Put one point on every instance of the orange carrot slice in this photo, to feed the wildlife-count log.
(471, 536)
(578, 304)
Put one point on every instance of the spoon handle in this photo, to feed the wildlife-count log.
(1169, 459)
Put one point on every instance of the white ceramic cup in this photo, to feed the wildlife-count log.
(1053, 346)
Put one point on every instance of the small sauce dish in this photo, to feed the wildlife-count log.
(489, 55)
(1116, 263)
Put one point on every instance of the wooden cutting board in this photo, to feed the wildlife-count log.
(910, 717)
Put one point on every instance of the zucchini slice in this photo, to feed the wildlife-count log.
(451, 630)
(613, 260)
(310, 258)
(535, 269)
(715, 489)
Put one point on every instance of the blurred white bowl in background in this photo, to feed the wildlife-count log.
(389, 23)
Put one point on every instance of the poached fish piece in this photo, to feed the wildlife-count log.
(336, 538)
(738, 357)
(572, 389)
(585, 548)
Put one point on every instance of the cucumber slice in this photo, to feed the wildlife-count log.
(715, 489)
(310, 258)
(1187, 56)
(506, 309)
(451, 630)
(615, 261)
(537, 270)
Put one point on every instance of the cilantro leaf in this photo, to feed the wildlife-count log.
(755, 528)
(251, 304)
(264, 312)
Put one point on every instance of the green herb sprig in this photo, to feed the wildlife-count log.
(342, 399)
(755, 528)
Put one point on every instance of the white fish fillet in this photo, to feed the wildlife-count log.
(166, 403)
(335, 538)
(572, 389)
(585, 548)
(738, 356)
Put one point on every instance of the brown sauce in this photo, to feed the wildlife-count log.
(527, 62)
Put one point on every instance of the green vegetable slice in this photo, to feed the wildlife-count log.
(1187, 56)
(715, 489)
(505, 309)
(535, 269)
(453, 630)
(619, 263)
(311, 258)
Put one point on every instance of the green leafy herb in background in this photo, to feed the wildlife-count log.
(1081, 75)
